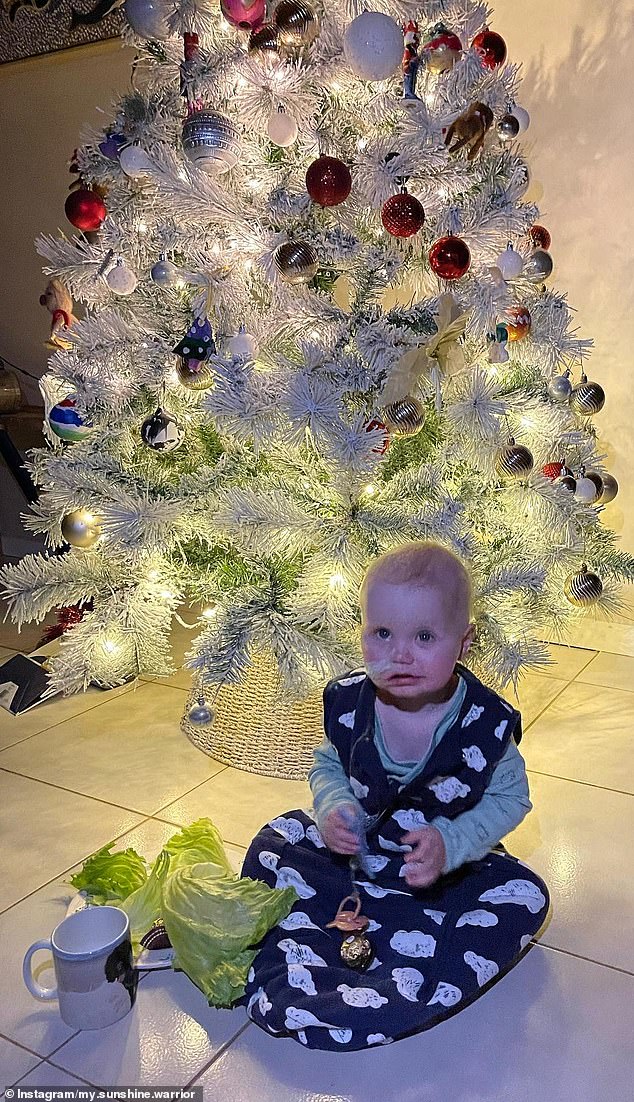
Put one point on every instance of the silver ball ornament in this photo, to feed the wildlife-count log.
(597, 478)
(538, 267)
(135, 162)
(514, 461)
(201, 713)
(560, 388)
(522, 116)
(148, 18)
(508, 127)
(405, 417)
(584, 588)
(211, 141)
(81, 529)
(568, 481)
(587, 398)
(243, 345)
(164, 273)
(161, 432)
(610, 488)
(296, 261)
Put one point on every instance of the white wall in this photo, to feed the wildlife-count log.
(578, 84)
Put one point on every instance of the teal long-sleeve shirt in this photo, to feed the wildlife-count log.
(470, 835)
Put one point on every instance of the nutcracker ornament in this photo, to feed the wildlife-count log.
(411, 60)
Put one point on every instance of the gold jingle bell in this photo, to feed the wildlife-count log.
(356, 950)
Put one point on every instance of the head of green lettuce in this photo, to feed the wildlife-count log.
(213, 919)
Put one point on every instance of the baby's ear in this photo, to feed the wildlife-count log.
(467, 640)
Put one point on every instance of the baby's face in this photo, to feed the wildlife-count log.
(411, 641)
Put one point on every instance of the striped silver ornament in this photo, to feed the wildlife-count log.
(296, 261)
(610, 488)
(587, 398)
(514, 461)
(211, 141)
(296, 23)
(405, 417)
(584, 588)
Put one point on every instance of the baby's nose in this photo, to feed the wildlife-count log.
(403, 652)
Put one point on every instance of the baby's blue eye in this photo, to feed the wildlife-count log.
(424, 636)
(383, 633)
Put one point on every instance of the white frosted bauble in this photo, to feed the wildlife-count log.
(510, 263)
(522, 116)
(121, 280)
(148, 18)
(586, 491)
(373, 46)
(135, 162)
(282, 129)
(243, 345)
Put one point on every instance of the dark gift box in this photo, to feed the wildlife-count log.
(23, 682)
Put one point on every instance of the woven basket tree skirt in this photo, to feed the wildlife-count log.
(257, 729)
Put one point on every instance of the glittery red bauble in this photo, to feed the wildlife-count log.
(491, 47)
(552, 470)
(402, 215)
(539, 236)
(85, 209)
(450, 258)
(328, 181)
(384, 444)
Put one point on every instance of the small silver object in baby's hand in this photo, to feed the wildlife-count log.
(354, 822)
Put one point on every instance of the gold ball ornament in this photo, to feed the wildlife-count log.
(584, 588)
(296, 23)
(514, 461)
(587, 398)
(81, 529)
(405, 417)
(517, 320)
(610, 488)
(296, 261)
(266, 39)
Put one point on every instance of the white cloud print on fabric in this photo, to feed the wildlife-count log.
(522, 892)
(413, 943)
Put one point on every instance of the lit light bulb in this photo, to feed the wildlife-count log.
(361, 144)
(369, 490)
(167, 594)
(337, 581)
(209, 613)
(153, 576)
(142, 227)
(527, 422)
(109, 647)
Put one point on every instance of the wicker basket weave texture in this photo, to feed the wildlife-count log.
(257, 728)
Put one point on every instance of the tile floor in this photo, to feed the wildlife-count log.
(75, 774)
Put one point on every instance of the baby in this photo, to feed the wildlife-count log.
(422, 758)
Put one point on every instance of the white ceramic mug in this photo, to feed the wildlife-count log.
(96, 978)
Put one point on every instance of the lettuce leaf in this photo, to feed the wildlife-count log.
(110, 877)
(199, 842)
(143, 906)
(214, 924)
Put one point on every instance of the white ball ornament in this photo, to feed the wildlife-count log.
(522, 116)
(373, 46)
(243, 345)
(148, 18)
(121, 280)
(282, 129)
(510, 263)
(586, 491)
(135, 162)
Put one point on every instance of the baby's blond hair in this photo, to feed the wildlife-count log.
(423, 564)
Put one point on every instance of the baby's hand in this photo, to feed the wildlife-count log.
(337, 834)
(427, 859)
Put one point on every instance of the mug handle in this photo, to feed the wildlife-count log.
(27, 973)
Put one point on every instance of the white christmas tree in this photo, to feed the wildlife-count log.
(305, 241)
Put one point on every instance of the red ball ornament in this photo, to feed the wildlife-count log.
(85, 209)
(328, 181)
(517, 320)
(540, 237)
(491, 47)
(402, 215)
(552, 470)
(378, 426)
(450, 258)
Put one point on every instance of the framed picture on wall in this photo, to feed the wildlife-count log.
(29, 28)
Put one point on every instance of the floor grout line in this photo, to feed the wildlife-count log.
(581, 956)
(528, 726)
(577, 780)
(222, 1049)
